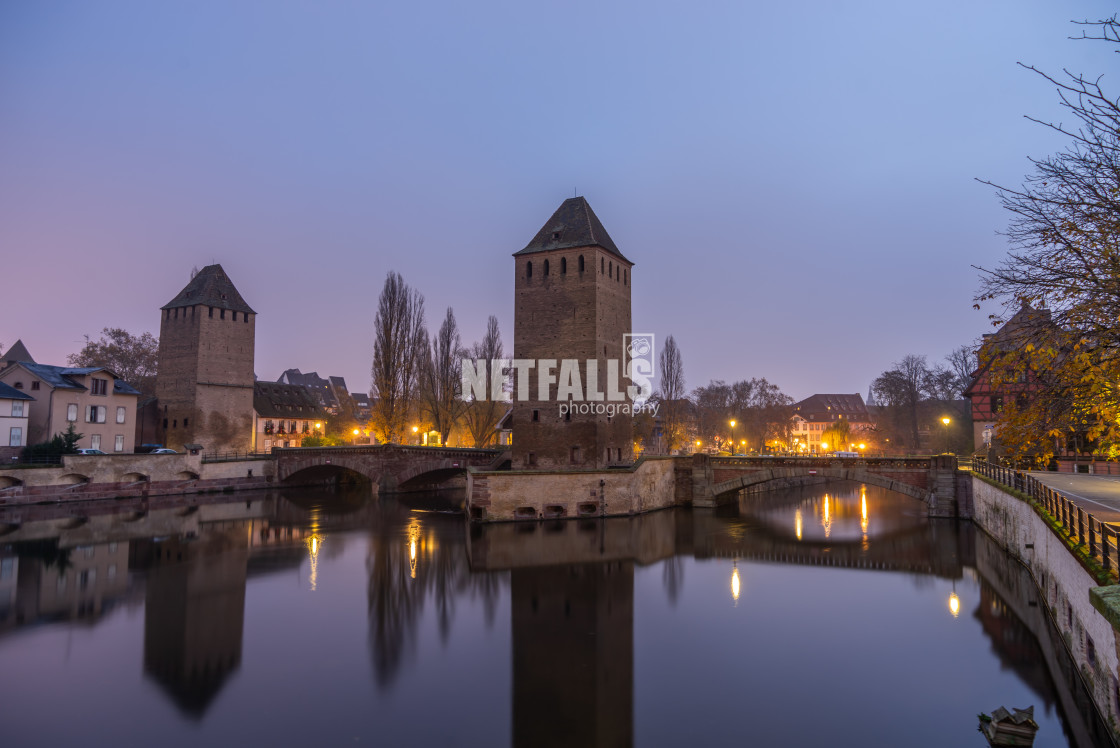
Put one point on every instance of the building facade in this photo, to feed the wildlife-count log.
(100, 406)
(818, 413)
(572, 301)
(205, 380)
(15, 407)
(283, 414)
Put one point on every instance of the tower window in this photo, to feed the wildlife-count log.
(556, 235)
(610, 269)
(625, 277)
(211, 312)
(536, 416)
(529, 270)
(222, 313)
(246, 317)
(581, 263)
(234, 313)
(602, 266)
(563, 266)
(546, 268)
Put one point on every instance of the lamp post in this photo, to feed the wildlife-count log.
(733, 437)
(415, 431)
(946, 420)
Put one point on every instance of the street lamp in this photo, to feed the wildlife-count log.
(697, 445)
(733, 436)
(415, 430)
(946, 420)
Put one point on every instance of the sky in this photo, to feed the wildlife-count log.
(795, 182)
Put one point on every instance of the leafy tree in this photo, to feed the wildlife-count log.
(1064, 257)
(132, 358)
(65, 443)
(399, 346)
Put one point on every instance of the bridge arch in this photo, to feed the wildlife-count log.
(725, 489)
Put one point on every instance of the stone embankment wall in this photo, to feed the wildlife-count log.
(89, 477)
(1064, 585)
(545, 494)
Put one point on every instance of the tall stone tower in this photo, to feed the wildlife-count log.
(205, 379)
(572, 302)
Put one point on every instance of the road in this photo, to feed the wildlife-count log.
(1096, 494)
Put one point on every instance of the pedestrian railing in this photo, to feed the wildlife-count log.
(234, 456)
(1073, 523)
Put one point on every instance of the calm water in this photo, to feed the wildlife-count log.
(829, 616)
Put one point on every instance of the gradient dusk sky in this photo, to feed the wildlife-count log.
(794, 181)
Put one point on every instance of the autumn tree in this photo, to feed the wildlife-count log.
(133, 358)
(481, 416)
(399, 348)
(1064, 257)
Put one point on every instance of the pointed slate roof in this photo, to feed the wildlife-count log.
(18, 352)
(211, 287)
(573, 224)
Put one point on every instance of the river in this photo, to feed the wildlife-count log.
(827, 615)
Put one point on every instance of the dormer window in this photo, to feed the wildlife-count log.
(556, 236)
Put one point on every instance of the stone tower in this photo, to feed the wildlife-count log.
(572, 302)
(205, 378)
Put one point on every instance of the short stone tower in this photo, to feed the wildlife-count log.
(205, 378)
(572, 289)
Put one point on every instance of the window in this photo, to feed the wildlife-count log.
(602, 266)
(532, 459)
(536, 416)
(528, 270)
(15, 438)
(18, 385)
(563, 266)
(95, 441)
(186, 422)
(99, 386)
(546, 268)
(234, 313)
(268, 444)
(34, 385)
(120, 414)
(246, 316)
(95, 413)
(221, 313)
(581, 263)
(574, 457)
(17, 408)
(625, 277)
(165, 423)
(997, 403)
(610, 269)
(211, 314)
(118, 443)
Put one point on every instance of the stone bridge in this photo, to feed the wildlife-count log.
(390, 467)
(933, 480)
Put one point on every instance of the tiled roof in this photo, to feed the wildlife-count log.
(61, 377)
(7, 392)
(288, 401)
(18, 352)
(121, 387)
(823, 407)
(338, 383)
(210, 287)
(573, 224)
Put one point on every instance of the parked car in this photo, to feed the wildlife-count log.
(163, 451)
(90, 452)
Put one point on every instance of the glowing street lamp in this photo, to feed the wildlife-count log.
(415, 431)
(732, 436)
(824, 445)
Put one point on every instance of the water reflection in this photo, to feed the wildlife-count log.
(434, 587)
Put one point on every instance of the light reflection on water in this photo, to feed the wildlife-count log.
(835, 614)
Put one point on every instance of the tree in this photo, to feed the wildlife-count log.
(1064, 257)
(671, 392)
(482, 416)
(442, 378)
(399, 345)
(962, 363)
(132, 358)
(901, 391)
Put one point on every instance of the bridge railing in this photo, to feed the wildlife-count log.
(234, 456)
(1068, 520)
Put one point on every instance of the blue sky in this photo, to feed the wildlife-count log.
(795, 184)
